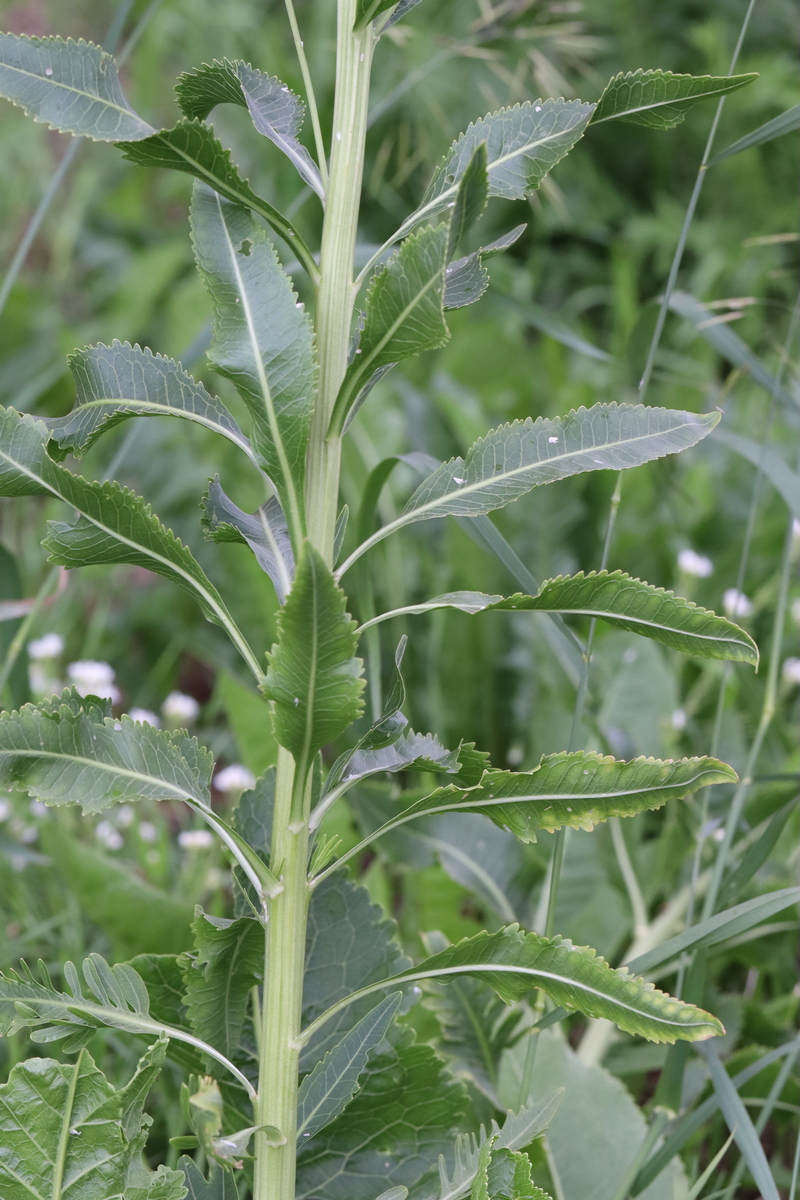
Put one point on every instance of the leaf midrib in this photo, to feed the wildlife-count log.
(67, 87)
(167, 410)
(675, 103)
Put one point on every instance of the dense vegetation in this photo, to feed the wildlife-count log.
(567, 321)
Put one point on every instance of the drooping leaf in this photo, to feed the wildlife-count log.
(193, 148)
(219, 977)
(330, 1087)
(70, 86)
(515, 458)
(466, 280)
(471, 200)
(114, 525)
(523, 144)
(620, 600)
(263, 340)
(264, 531)
(513, 963)
(120, 381)
(221, 1184)
(407, 1113)
(519, 1130)
(660, 99)
(314, 679)
(117, 999)
(349, 940)
(404, 313)
(276, 112)
(787, 122)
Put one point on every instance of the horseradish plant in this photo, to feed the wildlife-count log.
(301, 1076)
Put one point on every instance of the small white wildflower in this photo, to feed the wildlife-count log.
(143, 716)
(38, 809)
(235, 778)
(42, 682)
(515, 756)
(196, 839)
(108, 836)
(791, 670)
(718, 835)
(124, 816)
(692, 563)
(49, 645)
(94, 679)
(736, 604)
(180, 709)
(5, 808)
(678, 719)
(148, 831)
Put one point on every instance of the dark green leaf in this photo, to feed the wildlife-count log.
(509, 1177)
(660, 99)
(221, 1184)
(71, 86)
(276, 112)
(264, 531)
(466, 280)
(120, 381)
(471, 200)
(739, 1123)
(314, 678)
(787, 122)
(330, 1087)
(219, 977)
(263, 340)
(193, 148)
(755, 856)
(469, 1152)
(622, 601)
(515, 458)
(368, 10)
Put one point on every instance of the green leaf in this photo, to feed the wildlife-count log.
(404, 1116)
(314, 679)
(114, 525)
(193, 148)
(276, 112)
(771, 463)
(519, 1129)
(523, 144)
(368, 10)
(620, 600)
(660, 99)
(787, 122)
(466, 280)
(70, 86)
(403, 7)
(117, 999)
(547, 322)
(349, 942)
(471, 200)
(515, 458)
(221, 1184)
(509, 1177)
(263, 340)
(513, 963)
(330, 1087)
(739, 1123)
(120, 381)
(404, 315)
(164, 1185)
(264, 531)
(219, 976)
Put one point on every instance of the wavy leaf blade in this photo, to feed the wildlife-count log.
(264, 531)
(660, 99)
(513, 963)
(70, 86)
(263, 339)
(314, 678)
(120, 381)
(219, 977)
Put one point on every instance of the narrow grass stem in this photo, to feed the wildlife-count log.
(308, 84)
(50, 583)
(638, 906)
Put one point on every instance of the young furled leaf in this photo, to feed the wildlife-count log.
(263, 340)
(70, 86)
(219, 977)
(330, 1087)
(620, 600)
(513, 459)
(368, 10)
(116, 382)
(660, 99)
(404, 315)
(264, 531)
(276, 112)
(193, 148)
(314, 679)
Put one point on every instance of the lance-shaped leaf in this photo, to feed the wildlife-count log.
(660, 99)
(330, 1087)
(220, 976)
(193, 147)
(513, 963)
(117, 999)
(471, 200)
(70, 86)
(221, 1184)
(264, 531)
(523, 144)
(276, 112)
(68, 1135)
(515, 458)
(116, 382)
(620, 600)
(787, 122)
(263, 339)
(114, 525)
(404, 314)
(314, 678)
